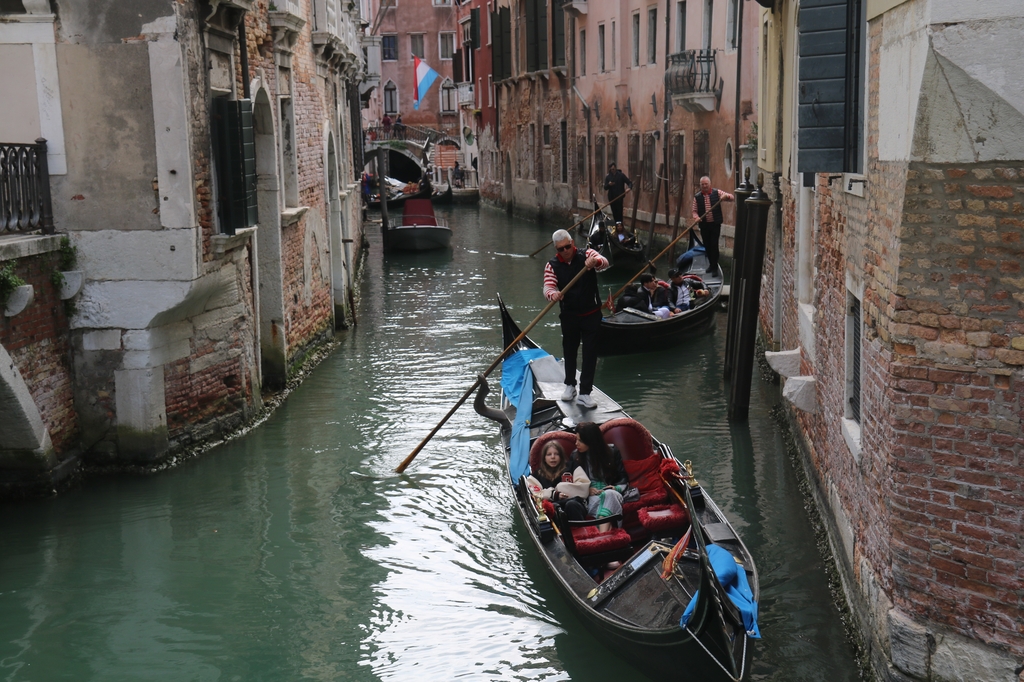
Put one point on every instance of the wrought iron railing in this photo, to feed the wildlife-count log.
(401, 131)
(466, 97)
(25, 188)
(692, 71)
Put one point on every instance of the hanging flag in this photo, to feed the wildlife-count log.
(425, 77)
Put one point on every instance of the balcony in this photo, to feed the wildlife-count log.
(692, 80)
(25, 188)
(466, 96)
(335, 40)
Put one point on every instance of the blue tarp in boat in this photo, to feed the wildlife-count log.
(517, 383)
(734, 580)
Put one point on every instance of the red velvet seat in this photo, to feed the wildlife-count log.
(590, 541)
(632, 438)
(663, 518)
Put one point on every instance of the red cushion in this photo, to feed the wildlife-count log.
(644, 474)
(669, 466)
(630, 509)
(629, 436)
(589, 540)
(548, 507)
(663, 517)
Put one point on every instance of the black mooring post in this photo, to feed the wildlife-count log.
(757, 206)
(739, 242)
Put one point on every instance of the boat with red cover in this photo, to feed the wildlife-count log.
(632, 584)
(419, 229)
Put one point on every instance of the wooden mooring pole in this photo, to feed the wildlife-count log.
(739, 241)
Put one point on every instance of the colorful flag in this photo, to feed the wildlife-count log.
(425, 77)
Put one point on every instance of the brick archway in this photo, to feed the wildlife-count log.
(24, 439)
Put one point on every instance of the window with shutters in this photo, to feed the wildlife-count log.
(557, 35)
(583, 53)
(701, 156)
(289, 159)
(501, 47)
(613, 150)
(680, 26)
(633, 154)
(474, 28)
(390, 98)
(611, 65)
(732, 24)
(650, 162)
(563, 142)
(446, 45)
(416, 45)
(600, 168)
(600, 49)
(449, 97)
(536, 35)
(234, 145)
(581, 160)
(709, 13)
(652, 35)
(830, 91)
(636, 39)
(389, 47)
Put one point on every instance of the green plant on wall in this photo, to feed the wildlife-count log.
(67, 258)
(752, 137)
(8, 283)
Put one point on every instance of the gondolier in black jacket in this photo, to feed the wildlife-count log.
(581, 311)
(710, 224)
(615, 183)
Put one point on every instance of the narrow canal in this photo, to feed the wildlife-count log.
(296, 552)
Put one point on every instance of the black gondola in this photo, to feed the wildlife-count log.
(397, 199)
(634, 331)
(625, 256)
(441, 198)
(632, 608)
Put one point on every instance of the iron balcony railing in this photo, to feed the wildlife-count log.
(466, 97)
(692, 71)
(25, 188)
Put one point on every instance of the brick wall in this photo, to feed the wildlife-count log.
(37, 340)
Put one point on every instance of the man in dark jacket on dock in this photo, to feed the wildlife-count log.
(581, 311)
(615, 183)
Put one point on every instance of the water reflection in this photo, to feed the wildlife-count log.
(296, 553)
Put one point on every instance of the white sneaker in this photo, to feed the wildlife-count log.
(569, 393)
(586, 401)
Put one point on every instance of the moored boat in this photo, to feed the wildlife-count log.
(666, 544)
(622, 256)
(442, 198)
(419, 229)
(635, 331)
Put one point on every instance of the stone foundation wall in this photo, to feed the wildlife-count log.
(37, 341)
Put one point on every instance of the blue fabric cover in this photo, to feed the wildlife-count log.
(517, 383)
(734, 581)
(685, 260)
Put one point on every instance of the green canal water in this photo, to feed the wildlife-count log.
(295, 552)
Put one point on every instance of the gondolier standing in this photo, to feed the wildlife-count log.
(710, 224)
(581, 311)
(615, 183)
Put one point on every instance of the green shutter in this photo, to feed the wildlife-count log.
(558, 35)
(234, 145)
(496, 52)
(474, 27)
(531, 35)
(542, 34)
(506, 42)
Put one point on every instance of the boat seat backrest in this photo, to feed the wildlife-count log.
(631, 438)
(564, 438)
(419, 211)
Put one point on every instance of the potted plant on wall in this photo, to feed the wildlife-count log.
(15, 295)
(66, 278)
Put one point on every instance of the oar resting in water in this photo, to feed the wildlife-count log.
(480, 405)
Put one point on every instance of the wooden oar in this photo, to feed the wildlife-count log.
(412, 455)
(583, 220)
(650, 263)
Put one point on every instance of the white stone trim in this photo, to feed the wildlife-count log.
(851, 434)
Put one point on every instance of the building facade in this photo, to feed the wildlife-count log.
(202, 162)
(892, 293)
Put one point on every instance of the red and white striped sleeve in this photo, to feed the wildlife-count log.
(602, 262)
(550, 282)
(696, 212)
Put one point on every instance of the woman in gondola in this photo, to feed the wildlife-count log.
(602, 464)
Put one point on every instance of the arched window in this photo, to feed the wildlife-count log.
(449, 97)
(390, 98)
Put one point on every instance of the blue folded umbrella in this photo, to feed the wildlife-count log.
(734, 579)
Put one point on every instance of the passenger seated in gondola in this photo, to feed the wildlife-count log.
(555, 480)
(624, 237)
(678, 294)
(656, 292)
(602, 464)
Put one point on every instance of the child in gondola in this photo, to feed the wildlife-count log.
(602, 464)
(555, 480)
